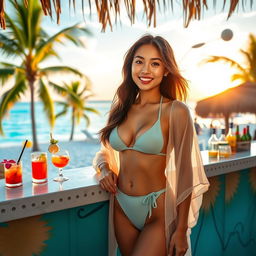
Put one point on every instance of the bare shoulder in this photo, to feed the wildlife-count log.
(180, 108)
(174, 105)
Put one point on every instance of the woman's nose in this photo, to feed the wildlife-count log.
(145, 69)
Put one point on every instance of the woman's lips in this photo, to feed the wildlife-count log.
(145, 80)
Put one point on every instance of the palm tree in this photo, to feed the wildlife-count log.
(245, 73)
(30, 46)
(76, 95)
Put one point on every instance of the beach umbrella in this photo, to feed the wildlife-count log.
(239, 99)
(109, 10)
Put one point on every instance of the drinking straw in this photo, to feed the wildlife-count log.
(22, 151)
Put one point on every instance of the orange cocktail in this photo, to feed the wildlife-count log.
(39, 167)
(13, 174)
(60, 161)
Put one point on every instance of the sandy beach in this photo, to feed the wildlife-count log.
(81, 154)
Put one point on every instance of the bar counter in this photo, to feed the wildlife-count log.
(81, 194)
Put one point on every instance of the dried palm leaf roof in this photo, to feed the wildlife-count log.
(192, 9)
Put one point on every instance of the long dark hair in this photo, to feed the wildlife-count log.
(173, 86)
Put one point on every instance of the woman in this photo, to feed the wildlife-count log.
(149, 160)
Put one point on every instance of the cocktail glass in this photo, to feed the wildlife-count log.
(13, 174)
(39, 167)
(60, 160)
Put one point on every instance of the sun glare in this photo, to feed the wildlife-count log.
(209, 79)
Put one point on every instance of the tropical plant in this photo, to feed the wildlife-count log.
(76, 94)
(247, 72)
(30, 46)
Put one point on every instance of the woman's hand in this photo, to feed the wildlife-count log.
(108, 180)
(178, 244)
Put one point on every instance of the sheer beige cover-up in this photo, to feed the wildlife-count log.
(184, 172)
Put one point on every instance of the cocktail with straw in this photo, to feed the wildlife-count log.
(13, 171)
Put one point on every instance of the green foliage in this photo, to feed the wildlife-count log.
(244, 73)
(76, 95)
(28, 45)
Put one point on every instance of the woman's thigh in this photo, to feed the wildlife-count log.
(151, 241)
(126, 233)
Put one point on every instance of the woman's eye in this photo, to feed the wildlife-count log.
(138, 61)
(155, 64)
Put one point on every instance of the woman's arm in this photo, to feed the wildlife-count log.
(182, 215)
(179, 243)
(102, 164)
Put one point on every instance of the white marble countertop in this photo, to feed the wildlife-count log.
(82, 187)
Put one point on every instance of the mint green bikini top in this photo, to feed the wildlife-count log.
(150, 142)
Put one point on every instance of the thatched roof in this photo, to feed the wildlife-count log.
(240, 99)
(192, 9)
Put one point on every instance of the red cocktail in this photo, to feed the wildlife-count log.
(13, 174)
(39, 167)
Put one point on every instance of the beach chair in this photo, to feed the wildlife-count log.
(89, 136)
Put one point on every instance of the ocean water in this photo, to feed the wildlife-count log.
(17, 124)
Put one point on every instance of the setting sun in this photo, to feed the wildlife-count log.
(209, 79)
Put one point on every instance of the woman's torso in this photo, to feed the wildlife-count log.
(141, 173)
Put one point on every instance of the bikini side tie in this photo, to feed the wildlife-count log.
(150, 201)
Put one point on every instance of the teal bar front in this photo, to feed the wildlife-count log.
(226, 224)
(227, 221)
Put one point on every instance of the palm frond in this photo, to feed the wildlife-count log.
(93, 110)
(35, 24)
(61, 103)
(62, 113)
(7, 64)
(10, 97)
(87, 120)
(28, 19)
(59, 89)
(248, 56)
(16, 32)
(8, 46)
(49, 54)
(59, 69)
(224, 59)
(5, 75)
(68, 34)
(74, 99)
(251, 49)
(240, 76)
(48, 104)
(18, 68)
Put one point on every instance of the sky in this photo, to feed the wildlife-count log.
(102, 59)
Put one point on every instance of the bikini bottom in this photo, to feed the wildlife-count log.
(137, 208)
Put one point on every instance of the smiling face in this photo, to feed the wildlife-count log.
(147, 67)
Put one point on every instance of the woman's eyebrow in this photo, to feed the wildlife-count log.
(140, 57)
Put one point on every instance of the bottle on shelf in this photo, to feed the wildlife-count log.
(238, 136)
(248, 133)
(244, 136)
(213, 144)
(222, 138)
(224, 148)
(231, 138)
